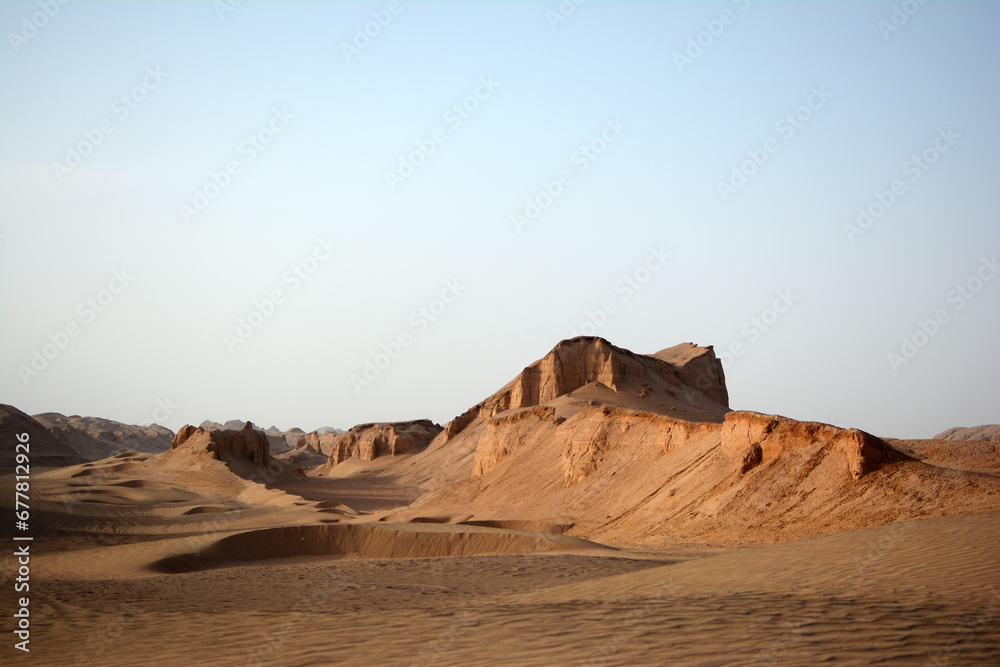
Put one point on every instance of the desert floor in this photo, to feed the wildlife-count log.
(128, 570)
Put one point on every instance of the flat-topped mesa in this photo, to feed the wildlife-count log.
(247, 442)
(370, 441)
(669, 382)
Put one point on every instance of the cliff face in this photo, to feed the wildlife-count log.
(370, 441)
(758, 438)
(685, 379)
(247, 442)
(578, 362)
(683, 383)
(599, 434)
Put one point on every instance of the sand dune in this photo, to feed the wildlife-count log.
(906, 594)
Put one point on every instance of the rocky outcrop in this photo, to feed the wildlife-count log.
(577, 362)
(370, 441)
(759, 438)
(595, 434)
(684, 377)
(248, 442)
(281, 441)
(683, 383)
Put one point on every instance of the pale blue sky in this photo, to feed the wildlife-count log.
(682, 130)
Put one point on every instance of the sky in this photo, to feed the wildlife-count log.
(328, 213)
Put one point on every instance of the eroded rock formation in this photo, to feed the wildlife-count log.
(247, 442)
(369, 441)
(759, 438)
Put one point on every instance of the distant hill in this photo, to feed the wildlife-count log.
(58, 440)
(989, 432)
(44, 447)
(97, 438)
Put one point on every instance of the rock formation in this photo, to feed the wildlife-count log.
(281, 441)
(639, 449)
(760, 438)
(683, 382)
(247, 442)
(370, 441)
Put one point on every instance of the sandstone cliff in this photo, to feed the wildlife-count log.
(684, 382)
(370, 441)
(248, 442)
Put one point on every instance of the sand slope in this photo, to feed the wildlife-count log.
(919, 593)
(644, 480)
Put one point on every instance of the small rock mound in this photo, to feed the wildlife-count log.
(247, 442)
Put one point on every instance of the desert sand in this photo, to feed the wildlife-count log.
(602, 508)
